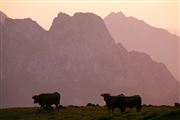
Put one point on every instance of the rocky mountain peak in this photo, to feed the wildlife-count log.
(119, 14)
(2, 17)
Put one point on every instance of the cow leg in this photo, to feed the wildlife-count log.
(123, 109)
(138, 108)
(109, 110)
(40, 108)
(49, 107)
(43, 108)
(112, 110)
(57, 107)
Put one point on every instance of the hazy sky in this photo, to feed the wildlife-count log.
(159, 13)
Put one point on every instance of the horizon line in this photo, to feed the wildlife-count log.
(90, 1)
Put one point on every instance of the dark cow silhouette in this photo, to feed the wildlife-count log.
(45, 100)
(176, 104)
(121, 101)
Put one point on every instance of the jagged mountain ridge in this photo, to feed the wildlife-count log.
(137, 35)
(79, 58)
(2, 17)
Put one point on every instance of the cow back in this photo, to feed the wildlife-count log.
(49, 98)
(131, 101)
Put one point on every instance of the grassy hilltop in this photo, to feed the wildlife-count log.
(91, 113)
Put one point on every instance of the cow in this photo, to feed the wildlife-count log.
(177, 105)
(121, 101)
(45, 100)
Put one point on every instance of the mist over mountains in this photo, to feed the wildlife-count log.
(78, 58)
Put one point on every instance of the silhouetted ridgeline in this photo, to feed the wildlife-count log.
(79, 58)
(2, 17)
(137, 35)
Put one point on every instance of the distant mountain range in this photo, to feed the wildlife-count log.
(174, 31)
(137, 35)
(78, 58)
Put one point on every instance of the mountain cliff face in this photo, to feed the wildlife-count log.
(78, 58)
(22, 39)
(2, 17)
(137, 35)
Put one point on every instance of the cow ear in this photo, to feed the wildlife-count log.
(102, 94)
(33, 97)
(122, 94)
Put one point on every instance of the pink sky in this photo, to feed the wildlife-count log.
(161, 13)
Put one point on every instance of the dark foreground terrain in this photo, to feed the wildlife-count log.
(91, 113)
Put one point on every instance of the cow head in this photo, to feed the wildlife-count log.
(35, 97)
(106, 96)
